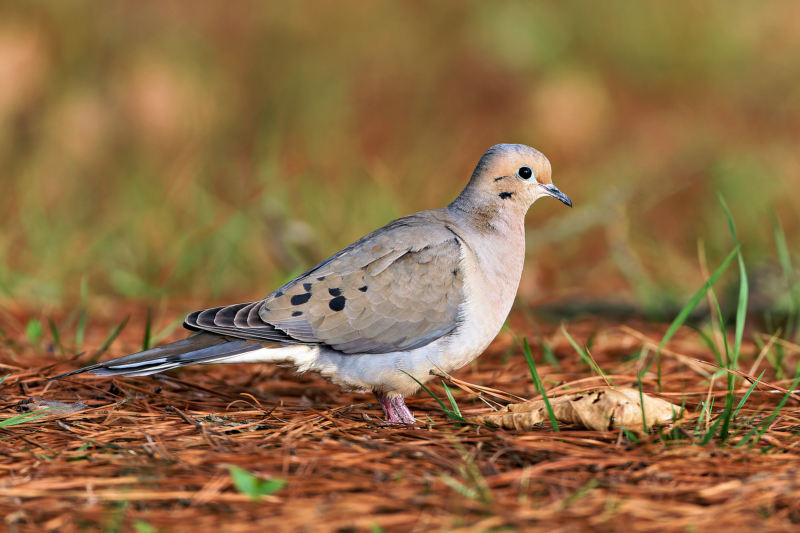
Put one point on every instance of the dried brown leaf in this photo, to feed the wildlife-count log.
(55, 407)
(600, 409)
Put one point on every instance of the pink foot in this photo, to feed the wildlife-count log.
(395, 409)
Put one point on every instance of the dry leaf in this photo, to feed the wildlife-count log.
(601, 409)
(56, 408)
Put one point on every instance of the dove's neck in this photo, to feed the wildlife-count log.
(495, 234)
(493, 253)
(489, 215)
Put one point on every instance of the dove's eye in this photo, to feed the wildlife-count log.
(525, 173)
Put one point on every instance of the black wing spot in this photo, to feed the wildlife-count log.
(320, 278)
(455, 272)
(505, 195)
(363, 289)
(297, 313)
(278, 294)
(337, 304)
(335, 292)
(300, 299)
(307, 287)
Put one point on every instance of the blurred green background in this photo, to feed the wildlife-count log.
(210, 150)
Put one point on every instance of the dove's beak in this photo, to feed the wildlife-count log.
(553, 191)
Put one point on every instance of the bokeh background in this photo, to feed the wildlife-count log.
(209, 151)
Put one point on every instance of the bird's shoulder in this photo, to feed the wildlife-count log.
(397, 288)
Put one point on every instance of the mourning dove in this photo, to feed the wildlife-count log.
(427, 291)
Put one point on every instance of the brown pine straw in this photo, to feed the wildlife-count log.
(156, 451)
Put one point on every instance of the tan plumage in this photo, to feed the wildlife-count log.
(427, 290)
(384, 293)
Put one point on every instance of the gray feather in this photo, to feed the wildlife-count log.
(201, 348)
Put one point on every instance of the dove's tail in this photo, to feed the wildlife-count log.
(202, 348)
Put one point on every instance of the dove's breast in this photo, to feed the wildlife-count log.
(491, 281)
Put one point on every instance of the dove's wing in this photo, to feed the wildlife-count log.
(398, 288)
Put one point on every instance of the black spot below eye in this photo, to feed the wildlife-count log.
(307, 287)
(337, 304)
(335, 292)
(300, 299)
(297, 313)
(363, 289)
(505, 195)
(525, 173)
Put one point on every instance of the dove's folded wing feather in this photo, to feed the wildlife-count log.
(384, 293)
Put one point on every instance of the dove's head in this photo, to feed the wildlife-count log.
(516, 174)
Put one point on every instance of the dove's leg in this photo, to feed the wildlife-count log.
(395, 409)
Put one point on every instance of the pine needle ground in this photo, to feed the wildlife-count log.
(150, 455)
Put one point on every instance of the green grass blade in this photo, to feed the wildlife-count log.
(721, 327)
(707, 410)
(786, 263)
(590, 340)
(631, 436)
(81, 331)
(709, 343)
(774, 359)
(741, 309)
(526, 349)
(747, 395)
(581, 352)
(727, 415)
(113, 335)
(746, 438)
(25, 417)
(689, 307)
(56, 336)
(711, 431)
(700, 407)
(453, 403)
(641, 403)
(451, 414)
(549, 356)
(4, 378)
(147, 329)
(766, 423)
(725, 418)
(440, 402)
